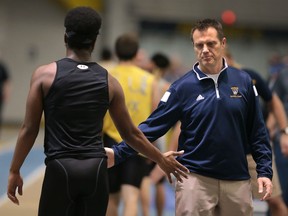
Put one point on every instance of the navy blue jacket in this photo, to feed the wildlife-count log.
(218, 122)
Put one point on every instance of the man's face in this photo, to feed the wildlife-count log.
(208, 48)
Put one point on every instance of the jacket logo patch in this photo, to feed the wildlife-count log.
(235, 92)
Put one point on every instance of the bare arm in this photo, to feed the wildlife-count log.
(135, 138)
(27, 134)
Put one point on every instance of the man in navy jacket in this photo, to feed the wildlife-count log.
(220, 119)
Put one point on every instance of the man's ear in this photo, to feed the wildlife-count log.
(65, 38)
(224, 41)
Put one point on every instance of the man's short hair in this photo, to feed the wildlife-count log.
(82, 27)
(126, 47)
(202, 25)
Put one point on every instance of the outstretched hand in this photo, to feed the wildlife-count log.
(15, 182)
(265, 183)
(171, 166)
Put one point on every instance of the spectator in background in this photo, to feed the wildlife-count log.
(159, 65)
(142, 60)
(5, 88)
(107, 59)
(275, 66)
(138, 86)
(281, 149)
(176, 69)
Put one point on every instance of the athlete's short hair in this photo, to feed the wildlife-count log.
(202, 25)
(82, 27)
(126, 47)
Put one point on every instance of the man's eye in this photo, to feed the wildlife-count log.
(199, 46)
(210, 44)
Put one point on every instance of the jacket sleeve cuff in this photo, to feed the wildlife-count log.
(122, 151)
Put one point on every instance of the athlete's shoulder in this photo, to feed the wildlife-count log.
(46, 69)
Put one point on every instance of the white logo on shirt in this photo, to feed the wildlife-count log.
(82, 67)
(200, 97)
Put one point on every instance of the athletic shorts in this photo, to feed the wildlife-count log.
(74, 187)
(130, 172)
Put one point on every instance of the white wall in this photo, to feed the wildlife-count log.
(31, 26)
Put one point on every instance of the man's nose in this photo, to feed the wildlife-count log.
(205, 48)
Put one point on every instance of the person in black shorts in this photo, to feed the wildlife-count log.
(75, 93)
(130, 172)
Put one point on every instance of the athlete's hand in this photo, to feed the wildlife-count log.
(15, 182)
(110, 155)
(265, 183)
(171, 166)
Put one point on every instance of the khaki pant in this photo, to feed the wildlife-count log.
(275, 180)
(203, 196)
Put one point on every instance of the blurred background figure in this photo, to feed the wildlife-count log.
(125, 179)
(280, 86)
(275, 66)
(176, 69)
(158, 66)
(142, 59)
(5, 88)
(107, 59)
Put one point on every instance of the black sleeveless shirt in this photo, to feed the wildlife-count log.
(74, 109)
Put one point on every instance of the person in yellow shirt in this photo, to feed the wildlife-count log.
(125, 179)
(159, 64)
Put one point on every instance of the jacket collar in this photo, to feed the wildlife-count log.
(200, 75)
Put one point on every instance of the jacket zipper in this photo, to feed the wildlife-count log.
(217, 90)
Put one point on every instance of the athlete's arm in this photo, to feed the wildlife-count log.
(135, 138)
(28, 132)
